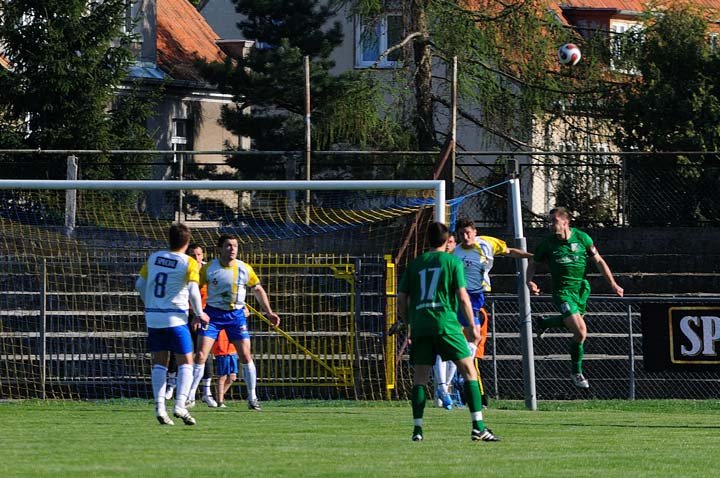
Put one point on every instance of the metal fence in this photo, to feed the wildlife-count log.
(603, 189)
(613, 363)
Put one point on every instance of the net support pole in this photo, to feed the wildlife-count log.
(308, 136)
(631, 354)
(440, 201)
(42, 353)
(71, 197)
(528, 358)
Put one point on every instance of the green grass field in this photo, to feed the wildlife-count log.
(363, 439)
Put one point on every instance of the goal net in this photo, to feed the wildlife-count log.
(327, 252)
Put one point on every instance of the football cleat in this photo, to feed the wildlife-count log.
(254, 405)
(222, 405)
(447, 402)
(163, 419)
(417, 437)
(483, 435)
(210, 401)
(190, 404)
(579, 381)
(184, 415)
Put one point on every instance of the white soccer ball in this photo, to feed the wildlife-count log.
(569, 54)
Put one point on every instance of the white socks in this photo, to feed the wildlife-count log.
(198, 370)
(440, 374)
(250, 376)
(184, 382)
(158, 377)
(206, 390)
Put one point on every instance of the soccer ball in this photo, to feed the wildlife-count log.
(569, 54)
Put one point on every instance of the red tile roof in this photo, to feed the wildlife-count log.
(631, 5)
(183, 36)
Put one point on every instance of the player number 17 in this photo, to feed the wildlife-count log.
(428, 283)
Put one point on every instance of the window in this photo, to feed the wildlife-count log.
(179, 140)
(619, 33)
(375, 35)
(714, 40)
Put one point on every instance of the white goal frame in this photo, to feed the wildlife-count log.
(154, 185)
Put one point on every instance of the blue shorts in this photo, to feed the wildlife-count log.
(175, 339)
(233, 322)
(226, 364)
(477, 299)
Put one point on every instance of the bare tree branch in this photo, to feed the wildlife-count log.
(396, 47)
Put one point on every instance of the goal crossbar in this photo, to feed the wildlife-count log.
(157, 185)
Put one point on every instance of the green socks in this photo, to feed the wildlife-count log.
(418, 397)
(474, 402)
(577, 352)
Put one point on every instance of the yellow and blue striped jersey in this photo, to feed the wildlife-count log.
(226, 286)
(167, 275)
(478, 260)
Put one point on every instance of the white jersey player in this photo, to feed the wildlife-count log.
(168, 282)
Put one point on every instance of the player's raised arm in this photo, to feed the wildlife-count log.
(518, 253)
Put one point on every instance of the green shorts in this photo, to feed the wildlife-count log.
(449, 347)
(573, 300)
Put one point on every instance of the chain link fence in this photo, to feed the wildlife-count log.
(603, 189)
(613, 360)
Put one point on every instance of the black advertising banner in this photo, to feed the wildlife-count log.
(680, 337)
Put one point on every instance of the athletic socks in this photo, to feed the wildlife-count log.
(417, 398)
(184, 382)
(577, 352)
(158, 378)
(197, 374)
(474, 402)
(250, 376)
(206, 389)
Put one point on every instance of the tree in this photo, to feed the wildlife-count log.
(509, 79)
(67, 59)
(268, 87)
(673, 104)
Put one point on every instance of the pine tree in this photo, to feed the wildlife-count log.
(268, 86)
(67, 58)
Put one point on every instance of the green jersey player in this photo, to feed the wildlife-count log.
(430, 291)
(566, 251)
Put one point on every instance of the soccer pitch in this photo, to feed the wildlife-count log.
(361, 439)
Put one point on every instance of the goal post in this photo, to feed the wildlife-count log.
(71, 325)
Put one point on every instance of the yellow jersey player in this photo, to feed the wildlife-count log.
(227, 279)
(477, 254)
(168, 282)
